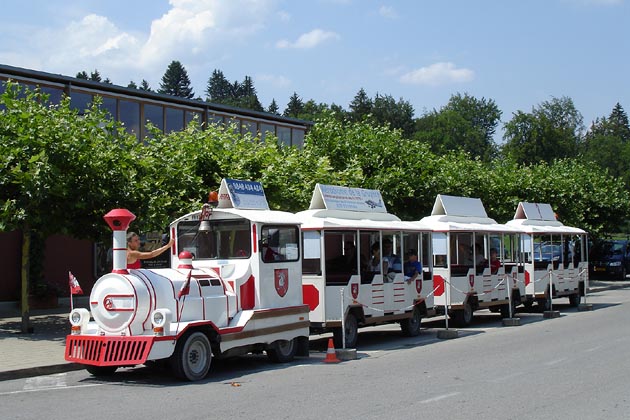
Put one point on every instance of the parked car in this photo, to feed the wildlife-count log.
(547, 252)
(609, 258)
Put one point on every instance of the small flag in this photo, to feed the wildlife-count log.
(185, 289)
(75, 288)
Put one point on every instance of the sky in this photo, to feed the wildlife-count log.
(518, 53)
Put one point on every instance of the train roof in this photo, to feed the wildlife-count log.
(462, 214)
(539, 218)
(257, 216)
(344, 219)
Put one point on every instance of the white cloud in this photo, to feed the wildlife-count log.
(274, 80)
(388, 12)
(284, 16)
(308, 40)
(437, 74)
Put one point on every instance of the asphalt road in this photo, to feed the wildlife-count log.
(572, 367)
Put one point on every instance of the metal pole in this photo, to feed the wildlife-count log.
(550, 290)
(509, 289)
(446, 296)
(343, 322)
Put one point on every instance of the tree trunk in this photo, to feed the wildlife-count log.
(26, 247)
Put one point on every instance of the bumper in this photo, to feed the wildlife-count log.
(107, 350)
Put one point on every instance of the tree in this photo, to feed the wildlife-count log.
(246, 96)
(82, 75)
(60, 171)
(607, 143)
(295, 106)
(218, 89)
(553, 130)
(396, 114)
(465, 123)
(95, 76)
(176, 82)
(361, 106)
(145, 86)
(132, 85)
(273, 108)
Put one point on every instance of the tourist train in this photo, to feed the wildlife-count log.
(247, 279)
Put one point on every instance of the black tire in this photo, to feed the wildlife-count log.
(411, 326)
(282, 351)
(100, 371)
(574, 300)
(352, 333)
(622, 275)
(463, 317)
(192, 357)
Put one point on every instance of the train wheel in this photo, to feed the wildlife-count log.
(411, 326)
(544, 304)
(352, 333)
(192, 357)
(101, 370)
(282, 351)
(464, 317)
(574, 300)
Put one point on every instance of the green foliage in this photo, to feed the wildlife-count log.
(295, 106)
(553, 130)
(466, 124)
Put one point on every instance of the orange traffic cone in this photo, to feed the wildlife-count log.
(331, 355)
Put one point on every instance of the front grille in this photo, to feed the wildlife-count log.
(108, 351)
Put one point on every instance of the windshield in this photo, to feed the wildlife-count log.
(220, 239)
(607, 249)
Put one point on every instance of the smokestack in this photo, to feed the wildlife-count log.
(119, 220)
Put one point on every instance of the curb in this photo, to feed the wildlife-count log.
(39, 371)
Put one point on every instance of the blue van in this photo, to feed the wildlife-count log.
(609, 259)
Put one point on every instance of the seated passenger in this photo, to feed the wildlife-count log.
(413, 267)
(377, 263)
(393, 260)
(494, 261)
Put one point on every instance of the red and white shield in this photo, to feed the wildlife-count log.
(418, 285)
(354, 288)
(471, 280)
(281, 280)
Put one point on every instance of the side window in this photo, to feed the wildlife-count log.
(279, 243)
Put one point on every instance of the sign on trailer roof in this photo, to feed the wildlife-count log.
(332, 197)
(447, 205)
(238, 194)
(535, 211)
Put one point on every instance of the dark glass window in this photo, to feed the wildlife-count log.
(109, 104)
(155, 115)
(284, 135)
(215, 119)
(279, 243)
(80, 101)
(54, 94)
(130, 116)
(220, 239)
(267, 129)
(249, 127)
(191, 115)
(297, 137)
(174, 119)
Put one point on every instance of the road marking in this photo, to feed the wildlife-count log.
(24, 391)
(506, 378)
(439, 397)
(45, 382)
(555, 362)
(592, 349)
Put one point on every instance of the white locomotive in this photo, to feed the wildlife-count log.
(235, 288)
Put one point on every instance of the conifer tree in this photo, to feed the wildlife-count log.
(176, 81)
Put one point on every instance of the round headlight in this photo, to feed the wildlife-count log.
(75, 318)
(158, 318)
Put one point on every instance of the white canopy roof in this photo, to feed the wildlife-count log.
(539, 218)
(462, 214)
